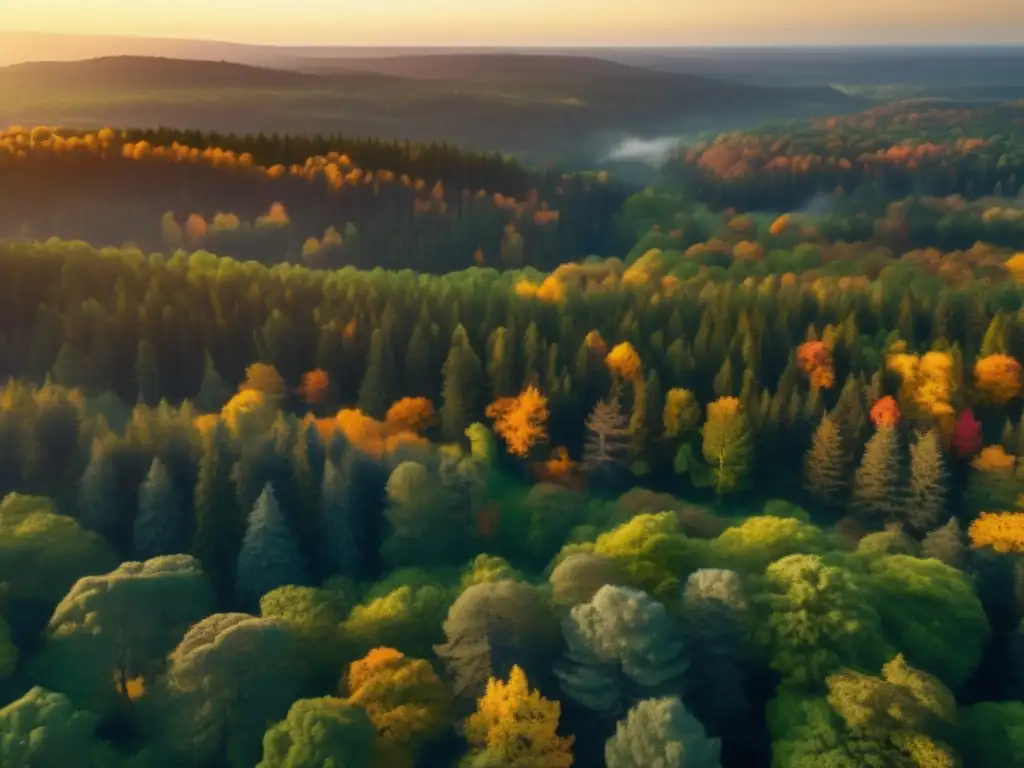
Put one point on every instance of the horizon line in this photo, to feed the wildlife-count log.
(537, 46)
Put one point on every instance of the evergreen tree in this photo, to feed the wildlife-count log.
(269, 556)
(877, 485)
(97, 490)
(213, 392)
(337, 523)
(928, 483)
(376, 391)
(825, 470)
(533, 349)
(723, 384)
(147, 372)
(946, 543)
(160, 526)
(420, 364)
(500, 365)
(461, 377)
(851, 416)
(308, 459)
(219, 524)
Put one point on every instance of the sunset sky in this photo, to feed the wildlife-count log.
(534, 22)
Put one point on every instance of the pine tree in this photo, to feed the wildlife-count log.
(607, 442)
(97, 509)
(213, 392)
(219, 524)
(376, 392)
(877, 484)
(500, 365)
(461, 377)
(420, 367)
(851, 416)
(160, 526)
(723, 384)
(147, 372)
(928, 483)
(337, 524)
(307, 467)
(533, 349)
(269, 556)
(946, 543)
(826, 472)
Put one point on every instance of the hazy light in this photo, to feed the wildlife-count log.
(536, 22)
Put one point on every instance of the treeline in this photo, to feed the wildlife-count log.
(105, 189)
(908, 148)
(154, 328)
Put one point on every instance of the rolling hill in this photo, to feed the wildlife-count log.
(535, 105)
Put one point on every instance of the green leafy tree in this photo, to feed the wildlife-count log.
(992, 733)
(727, 445)
(313, 615)
(118, 627)
(900, 719)
(577, 578)
(815, 619)
(42, 554)
(760, 540)
(230, 675)
(320, 733)
(660, 732)
(43, 729)
(714, 609)
(931, 612)
(620, 647)
(429, 523)
(492, 627)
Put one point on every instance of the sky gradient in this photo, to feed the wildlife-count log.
(535, 22)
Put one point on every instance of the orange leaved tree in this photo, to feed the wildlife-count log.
(522, 423)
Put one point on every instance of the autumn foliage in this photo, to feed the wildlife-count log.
(412, 414)
(1003, 531)
(966, 435)
(885, 413)
(521, 421)
(624, 361)
(815, 360)
(315, 386)
(997, 378)
(515, 726)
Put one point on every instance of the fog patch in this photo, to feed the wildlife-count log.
(650, 151)
(819, 205)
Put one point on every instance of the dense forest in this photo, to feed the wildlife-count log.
(698, 476)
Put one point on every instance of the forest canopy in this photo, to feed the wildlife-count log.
(309, 458)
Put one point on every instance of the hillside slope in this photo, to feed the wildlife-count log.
(532, 104)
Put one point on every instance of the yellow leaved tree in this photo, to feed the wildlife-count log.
(518, 728)
(1003, 531)
(406, 701)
